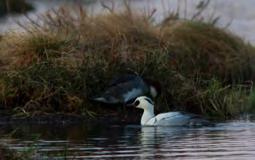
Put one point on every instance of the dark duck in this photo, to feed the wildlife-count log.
(126, 88)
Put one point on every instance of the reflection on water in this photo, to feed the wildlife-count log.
(234, 140)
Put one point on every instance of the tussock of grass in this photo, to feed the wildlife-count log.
(56, 65)
(207, 51)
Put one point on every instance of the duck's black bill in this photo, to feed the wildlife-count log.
(129, 105)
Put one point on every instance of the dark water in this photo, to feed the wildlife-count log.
(233, 140)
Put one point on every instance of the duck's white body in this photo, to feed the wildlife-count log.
(173, 119)
(166, 119)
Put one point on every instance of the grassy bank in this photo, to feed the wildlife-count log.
(6, 154)
(55, 66)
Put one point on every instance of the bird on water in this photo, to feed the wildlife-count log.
(166, 119)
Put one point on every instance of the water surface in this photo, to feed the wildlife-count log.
(233, 140)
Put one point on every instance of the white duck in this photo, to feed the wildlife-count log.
(166, 119)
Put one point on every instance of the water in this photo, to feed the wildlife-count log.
(233, 140)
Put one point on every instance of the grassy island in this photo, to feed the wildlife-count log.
(54, 66)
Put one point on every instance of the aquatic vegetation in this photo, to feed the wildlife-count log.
(252, 102)
(65, 57)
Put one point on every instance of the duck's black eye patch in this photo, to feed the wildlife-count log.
(149, 100)
(137, 103)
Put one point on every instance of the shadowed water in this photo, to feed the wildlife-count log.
(235, 140)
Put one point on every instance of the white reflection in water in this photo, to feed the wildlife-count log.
(235, 140)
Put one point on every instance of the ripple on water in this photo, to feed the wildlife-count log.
(224, 141)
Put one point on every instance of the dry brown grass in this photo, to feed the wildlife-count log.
(56, 65)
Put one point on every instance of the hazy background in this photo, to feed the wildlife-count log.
(239, 16)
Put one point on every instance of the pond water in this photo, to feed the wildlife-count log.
(232, 140)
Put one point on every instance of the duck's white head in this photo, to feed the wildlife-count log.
(144, 102)
(147, 105)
